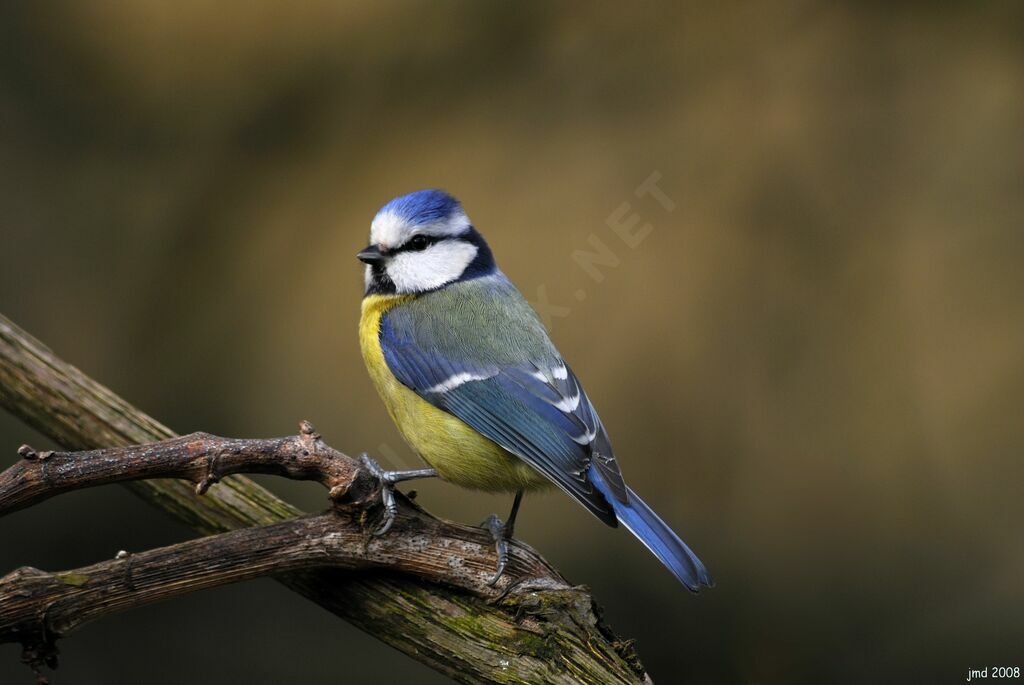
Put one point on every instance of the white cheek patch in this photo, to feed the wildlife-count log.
(431, 268)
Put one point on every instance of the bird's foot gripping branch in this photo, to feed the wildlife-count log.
(36, 607)
(348, 536)
(536, 604)
(421, 588)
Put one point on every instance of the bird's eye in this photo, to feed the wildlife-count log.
(418, 242)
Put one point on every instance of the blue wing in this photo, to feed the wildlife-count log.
(536, 411)
(520, 394)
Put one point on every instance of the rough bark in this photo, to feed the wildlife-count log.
(199, 457)
(37, 607)
(544, 634)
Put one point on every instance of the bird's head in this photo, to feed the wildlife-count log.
(421, 242)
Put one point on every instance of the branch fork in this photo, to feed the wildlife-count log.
(422, 587)
(38, 608)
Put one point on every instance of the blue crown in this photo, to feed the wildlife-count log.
(422, 206)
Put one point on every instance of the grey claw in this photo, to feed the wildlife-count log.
(497, 530)
(388, 479)
(387, 491)
(390, 507)
(372, 466)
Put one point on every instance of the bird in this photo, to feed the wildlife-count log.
(470, 376)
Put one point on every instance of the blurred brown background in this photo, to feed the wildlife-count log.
(812, 366)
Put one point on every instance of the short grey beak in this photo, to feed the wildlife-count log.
(370, 255)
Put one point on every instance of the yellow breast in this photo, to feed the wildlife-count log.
(457, 451)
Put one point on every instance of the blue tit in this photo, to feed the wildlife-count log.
(471, 378)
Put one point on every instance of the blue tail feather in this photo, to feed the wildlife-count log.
(642, 522)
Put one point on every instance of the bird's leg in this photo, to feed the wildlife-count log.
(388, 479)
(501, 533)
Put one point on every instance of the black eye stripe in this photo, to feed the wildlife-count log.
(419, 242)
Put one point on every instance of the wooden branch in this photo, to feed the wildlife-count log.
(546, 633)
(37, 607)
(200, 458)
(423, 545)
